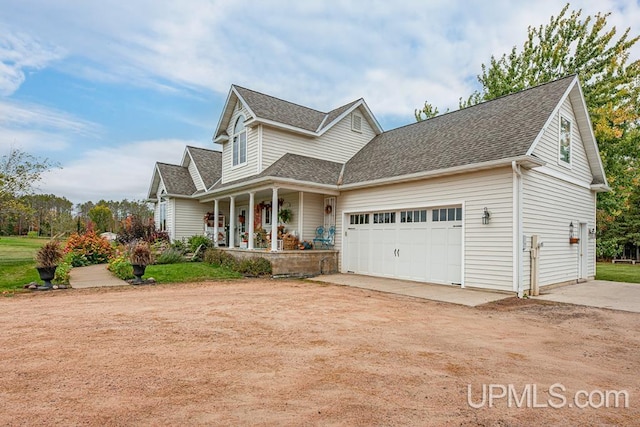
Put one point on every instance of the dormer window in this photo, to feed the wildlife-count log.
(565, 141)
(239, 142)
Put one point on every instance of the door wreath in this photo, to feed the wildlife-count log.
(328, 209)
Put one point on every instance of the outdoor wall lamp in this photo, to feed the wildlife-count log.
(486, 216)
(572, 234)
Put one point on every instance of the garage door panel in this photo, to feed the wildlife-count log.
(424, 245)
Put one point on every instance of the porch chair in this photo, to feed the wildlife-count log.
(324, 240)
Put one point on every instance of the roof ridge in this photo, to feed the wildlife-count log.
(202, 148)
(484, 102)
(170, 164)
(279, 99)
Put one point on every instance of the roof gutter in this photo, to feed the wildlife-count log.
(600, 188)
(525, 161)
(251, 184)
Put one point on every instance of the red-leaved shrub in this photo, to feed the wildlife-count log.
(88, 249)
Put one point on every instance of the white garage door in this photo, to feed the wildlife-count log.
(417, 244)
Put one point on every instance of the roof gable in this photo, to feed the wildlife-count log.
(208, 163)
(176, 179)
(284, 114)
(502, 128)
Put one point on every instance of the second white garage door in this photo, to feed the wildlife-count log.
(418, 244)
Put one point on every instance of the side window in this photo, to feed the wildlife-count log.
(239, 142)
(565, 141)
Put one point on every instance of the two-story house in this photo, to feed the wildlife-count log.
(456, 199)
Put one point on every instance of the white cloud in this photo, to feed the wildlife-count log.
(114, 173)
(311, 52)
(19, 52)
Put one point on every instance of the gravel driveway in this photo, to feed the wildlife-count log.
(267, 352)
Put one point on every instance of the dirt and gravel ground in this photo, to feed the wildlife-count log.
(263, 352)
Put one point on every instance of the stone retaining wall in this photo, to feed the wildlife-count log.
(294, 263)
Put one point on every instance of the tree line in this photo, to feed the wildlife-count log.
(587, 47)
(24, 212)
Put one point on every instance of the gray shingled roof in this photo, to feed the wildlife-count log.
(275, 109)
(278, 110)
(502, 128)
(176, 179)
(300, 168)
(209, 164)
(333, 114)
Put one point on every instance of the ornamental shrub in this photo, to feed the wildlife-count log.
(221, 258)
(254, 267)
(121, 267)
(88, 249)
(63, 272)
(195, 241)
(170, 256)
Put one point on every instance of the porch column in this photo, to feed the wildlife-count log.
(251, 218)
(232, 221)
(274, 220)
(216, 207)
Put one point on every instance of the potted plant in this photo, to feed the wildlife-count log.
(47, 259)
(285, 215)
(140, 257)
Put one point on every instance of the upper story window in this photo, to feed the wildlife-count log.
(239, 142)
(565, 141)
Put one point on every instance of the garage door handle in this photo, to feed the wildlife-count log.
(395, 252)
(398, 252)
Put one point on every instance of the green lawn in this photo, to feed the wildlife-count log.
(618, 272)
(188, 272)
(17, 263)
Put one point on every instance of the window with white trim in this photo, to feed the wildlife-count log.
(446, 214)
(384, 218)
(413, 216)
(359, 219)
(565, 141)
(162, 214)
(239, 142)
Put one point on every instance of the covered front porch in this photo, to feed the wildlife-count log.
(280, 217)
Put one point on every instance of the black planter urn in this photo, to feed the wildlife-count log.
(46, 275)
(138, 271)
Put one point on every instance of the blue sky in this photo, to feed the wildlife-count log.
(106, 89)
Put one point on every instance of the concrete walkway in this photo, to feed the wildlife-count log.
(598, 293)
(94, 276)
(452, 294)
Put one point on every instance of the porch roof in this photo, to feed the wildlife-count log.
(294, 167)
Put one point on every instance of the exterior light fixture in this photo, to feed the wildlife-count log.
(486, 216)
(572, 234)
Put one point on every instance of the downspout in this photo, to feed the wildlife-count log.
(518, 226)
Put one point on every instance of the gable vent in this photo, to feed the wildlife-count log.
(356, 122)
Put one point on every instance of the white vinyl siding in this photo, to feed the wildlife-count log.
(338, 144)
(313, 215)
(549, 206)
(488, 249)
(195, 176)
(547, 148)
(230, 172)
(189, 216)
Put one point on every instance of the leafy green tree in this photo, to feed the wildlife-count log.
(19, 173)
(102, 218)
(588, 47)
(428, 111)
